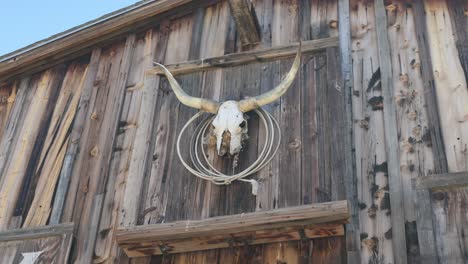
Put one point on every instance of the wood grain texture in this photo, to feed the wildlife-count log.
(234, 59)
(230, 225)
(53, 242)
(425, 225)
(350, 179)
(55, 145)
(391, 135)
(452, 95)
(103, 113)
(369, 134)
(442, 181)
(246, 21)
(416, 152)
(158, 246)
(15, 170)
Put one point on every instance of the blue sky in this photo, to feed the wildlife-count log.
(23, 22)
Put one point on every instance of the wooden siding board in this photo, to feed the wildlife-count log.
(19, 109)
(79, 137)
(424, 221)
(104, 112)
(350, 180)
(246, 21)
(16, 170)
(452, 95)
(391, 135)
(458, 14)
(55, 145)
(7, 98)
(369, 137)
(135, 107)
(416, 155)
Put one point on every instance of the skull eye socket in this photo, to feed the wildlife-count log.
(243, 124)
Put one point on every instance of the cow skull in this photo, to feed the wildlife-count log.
(230, 123)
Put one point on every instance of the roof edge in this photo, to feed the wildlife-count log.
(81, 39)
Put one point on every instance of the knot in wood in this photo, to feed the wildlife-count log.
(94, 151)
(438, 196)
(94, 116)
(294, 144)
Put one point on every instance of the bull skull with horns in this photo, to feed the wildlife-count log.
(230, 124)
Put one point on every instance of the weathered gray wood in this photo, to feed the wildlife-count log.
(52, 242)
(441, 181)
(391, 136)
(80, 135)
(75, 135)
(246, 21)
(313, 214)
(276, 53)
(424, 222)
(459, 17)
(103, 122)
(235, 239)
(350, 179)
(36, 232)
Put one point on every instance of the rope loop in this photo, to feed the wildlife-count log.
(203, 169)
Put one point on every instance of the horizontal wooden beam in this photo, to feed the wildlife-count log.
(246, 21)
(440, 181)
(293, 223)
(36, 232)
(240, 58)
(76, 41)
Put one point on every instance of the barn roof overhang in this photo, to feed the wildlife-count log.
(81, 39)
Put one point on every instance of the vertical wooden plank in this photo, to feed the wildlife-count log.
(369, 133)
(416, 155)
(79, 137)
(352, 229)
(246, 21)
(424, 221)
(54, 148)
(178, 177)
(155, 194)
(458, 12)
(137, 109)
(448, 72)
(14, 122)
(29, 183)
(7, 98)
(452, 94)
(15, 171)
(264, 11)
(391, 136)
(104, 114)
(65, 178)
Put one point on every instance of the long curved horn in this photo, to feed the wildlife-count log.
(273, 95)
(190, 101)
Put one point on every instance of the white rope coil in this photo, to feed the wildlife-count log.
(205, 170)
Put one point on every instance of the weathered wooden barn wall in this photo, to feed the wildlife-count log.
(92, 140)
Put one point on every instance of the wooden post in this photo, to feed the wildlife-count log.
(391, 136)
(352, 229)
(246, 21)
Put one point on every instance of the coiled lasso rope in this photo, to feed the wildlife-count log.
(209, 172)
